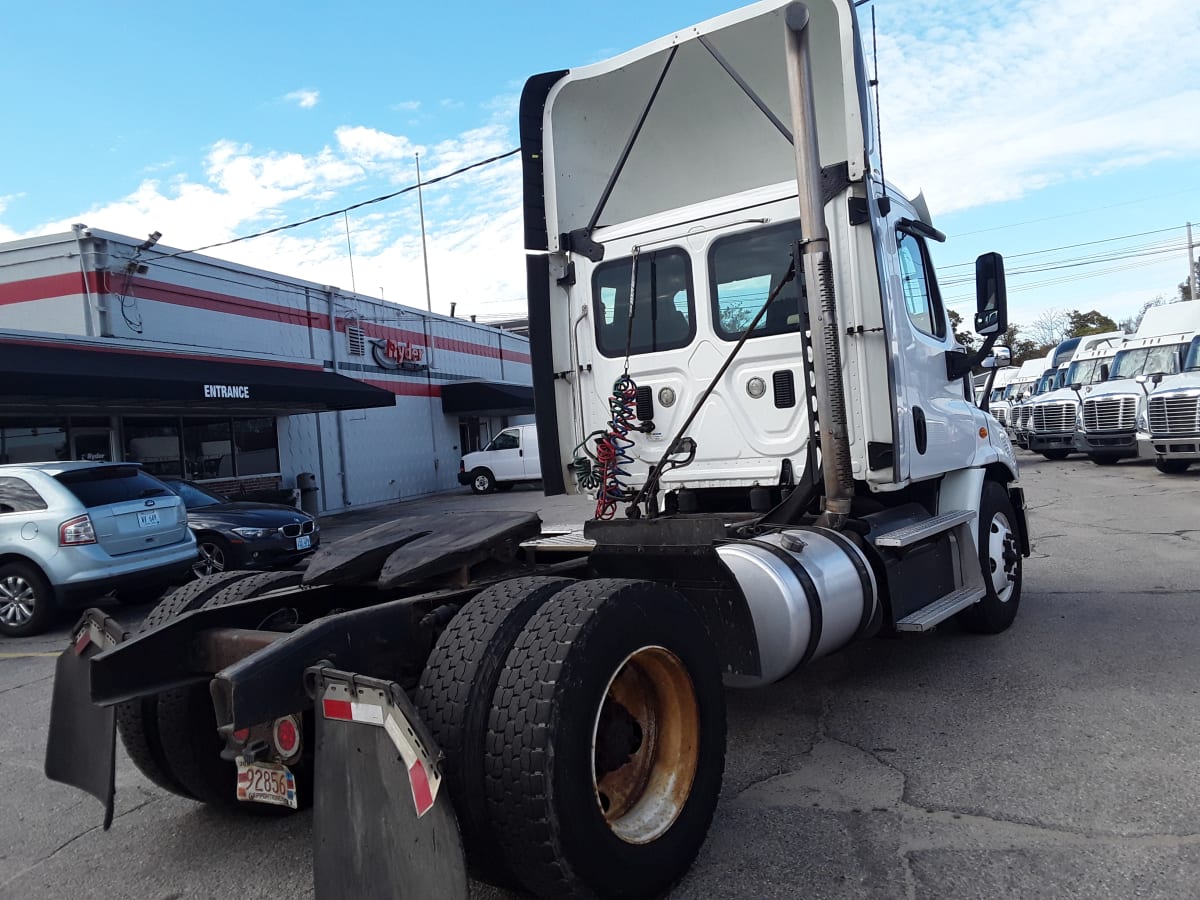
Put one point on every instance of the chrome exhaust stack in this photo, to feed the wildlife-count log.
(818, 276)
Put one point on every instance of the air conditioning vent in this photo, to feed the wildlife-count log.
(645, 403)
(356, 341)
(784, 383)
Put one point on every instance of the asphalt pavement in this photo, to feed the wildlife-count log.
(1058, 760)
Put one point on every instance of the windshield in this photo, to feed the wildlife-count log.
(1087, 371)
(1164, 358)
(1192, 363)
(996, 394)
(193, 497)
(1046, 383)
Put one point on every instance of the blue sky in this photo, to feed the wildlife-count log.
(1029, 125)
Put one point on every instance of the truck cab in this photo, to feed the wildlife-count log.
(1113, 422)
(998, 404)
(1173, 415)
(1029, 377)
(1056, 407)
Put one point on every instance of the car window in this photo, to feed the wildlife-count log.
(664, 310)
(193, 497)
(505, 440)
(111, 484)
(18, 495)
(921, 297)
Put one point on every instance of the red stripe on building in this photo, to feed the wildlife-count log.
(203, 357)
(194, 298)
(407, 388)
(48, 287)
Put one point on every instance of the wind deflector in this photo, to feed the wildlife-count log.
(713, 128)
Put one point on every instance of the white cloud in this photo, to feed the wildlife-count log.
(407, 106)
(304, 98)
(998, 100)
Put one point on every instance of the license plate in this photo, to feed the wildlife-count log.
(266, 783)
(148, 519)
(303, 542)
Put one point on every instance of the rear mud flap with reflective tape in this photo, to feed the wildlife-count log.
(81, 745)
(381, 826)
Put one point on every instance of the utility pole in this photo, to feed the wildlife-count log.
(1191, 264)
(424, 252)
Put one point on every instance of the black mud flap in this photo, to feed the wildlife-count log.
(81, 747)
(381, 826)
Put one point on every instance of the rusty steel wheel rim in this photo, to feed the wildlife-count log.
(645, 745)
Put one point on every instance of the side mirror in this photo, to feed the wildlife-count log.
(1157, 378)
(1104, 371)
(1076, 386)
(1000, 357)
(1140, 379)
(991, 298)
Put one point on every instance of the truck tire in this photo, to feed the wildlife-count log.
(455, 701)
(1172, 466)
(1056, 454)
(1000, 560)
(482, 481)
(187, 725)
(620, 678)
(137, 720)
(1104, 459)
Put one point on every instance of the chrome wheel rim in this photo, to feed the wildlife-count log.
(1003, 558)
(646, 745)
(211, 561)
(17, 600)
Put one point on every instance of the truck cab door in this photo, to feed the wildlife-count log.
(935, 417)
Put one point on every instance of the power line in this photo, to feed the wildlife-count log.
(1123, 237)
(1081, 212)
(347, 209)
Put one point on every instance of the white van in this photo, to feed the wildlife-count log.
(511, 457)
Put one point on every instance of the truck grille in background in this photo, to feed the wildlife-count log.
(1001, 415)
(784, 383)
(645, 403)
(1052, 418)
(1023, 414)
(1110, 414)
(298, 529)
(1174, 415)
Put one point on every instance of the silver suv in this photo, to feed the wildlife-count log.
(73, 531)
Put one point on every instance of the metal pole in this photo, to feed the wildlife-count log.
(1191, 263)
(424, 251)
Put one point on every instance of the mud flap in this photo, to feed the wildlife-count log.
(81, 746)
(381, 826)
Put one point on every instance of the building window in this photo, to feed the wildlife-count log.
(745, 269)
(33, 440)
(256, 446)
(208, 448)
(155, 444)
(664, 312)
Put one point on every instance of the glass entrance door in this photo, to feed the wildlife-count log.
(92, 444)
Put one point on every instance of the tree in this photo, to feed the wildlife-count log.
(966, 338)
(1022, 348)
(1091, 322)
(1050, 327)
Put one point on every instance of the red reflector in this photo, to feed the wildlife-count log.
(286, 737)
(422, 795)
(242, 735)
(338, 709)
(82, 643)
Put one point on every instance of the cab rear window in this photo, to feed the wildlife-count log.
(111, 484)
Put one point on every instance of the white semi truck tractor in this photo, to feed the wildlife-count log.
(740, 350)
(1173, 414)
(1054, 411)
(1113, 422)
(1029, 376)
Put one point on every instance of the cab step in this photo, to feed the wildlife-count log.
(940, 610)
(919, 531)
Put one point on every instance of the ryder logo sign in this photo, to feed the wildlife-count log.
(226, 392)
(397, 354)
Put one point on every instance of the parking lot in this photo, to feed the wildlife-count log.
(1056, 760)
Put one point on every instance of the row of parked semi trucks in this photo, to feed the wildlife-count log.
(1111, 396)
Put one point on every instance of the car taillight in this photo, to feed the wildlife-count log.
(76, 531)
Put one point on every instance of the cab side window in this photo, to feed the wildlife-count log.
(921, 297)
(506, 440)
